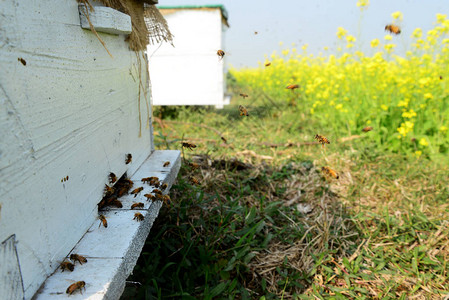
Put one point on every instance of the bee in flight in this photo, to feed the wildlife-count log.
(243, 111)
(292, 86)
(220, 54)
(393, 29)
(66, 265)
(138, 217)
(65, 178)
(137, 205)
(103, 221)
(79, 285)
(328, 171)
(188, 145)
(244, 95)
(267, 64)
(78, 258)
(368, 128)
(22, 61)
(129, 158)
(224, 140)
(322, 139)
(166, 164)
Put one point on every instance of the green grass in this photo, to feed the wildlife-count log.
(265, 223)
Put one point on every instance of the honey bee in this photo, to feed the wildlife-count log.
(146, 179)
(122, 191)
(188, 145)
(22, 61)
(441, 77)
(393, 29)
(108, 190)
(366, 129)
(156, 191)
(137, 205)
(138, 217)
(66, 265)
(164, 186)
(255, 32)
(193, 165)
(244, 95)
(166, 164)
(322, 139)
(103, 221)
(328, 171)
(224, 140)
(115, 202)
(155, 182)
(78, 258)
(79, 285)
(112, 178)
(292, 86)
(243, 111)
(136, 191)
(221, 54)
(267, 64)
(166, 199)
(129, 158)
(150, 197)
(194, 180)
(65, 178)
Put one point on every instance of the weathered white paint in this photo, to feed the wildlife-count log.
(72, 110)
(112, 252)
(190, 73)
(11, 286)
(105, 19)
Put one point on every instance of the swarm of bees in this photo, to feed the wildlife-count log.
(393, 29)
(243, 111)
(65, 178)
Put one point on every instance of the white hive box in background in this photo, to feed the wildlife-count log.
(190, 73)
(69, 114)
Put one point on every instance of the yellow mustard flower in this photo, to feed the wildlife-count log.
(397, 15)
(362, 3)
(441, 18)
(341, 32)
(443, 128)
(389, 47)
(423, 142)
(375, 43)
(388, 37)
(409, 114)
(384, 107)
(418, 153)
(403, 103)
(428, 96)
(350, 38)
(304, 47)
(417, 33)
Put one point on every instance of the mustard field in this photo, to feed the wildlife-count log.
(404, 98)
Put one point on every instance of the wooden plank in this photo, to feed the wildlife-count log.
(105, 19)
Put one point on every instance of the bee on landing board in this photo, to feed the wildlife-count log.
(129, 158)
(138, 217)
(66, 265)
(328, 171)
(103, 220)
(150, 197)
(166, 164)
(366, 129)
(244, 95)
(164, 186)
(220, 54)
(108, 190)
(243, 111)
(137, 205)
(292, 86)
(78, 258)
(156, 191)
(79, 285)
(393, 29)
(188, 145)
(136, 191)
(322, 139)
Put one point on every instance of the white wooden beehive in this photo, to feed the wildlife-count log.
(190, 73)
(67, 108)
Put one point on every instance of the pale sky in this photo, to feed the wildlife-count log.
(313, 22)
